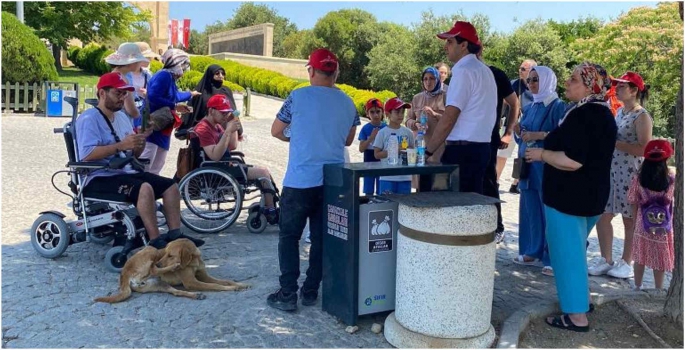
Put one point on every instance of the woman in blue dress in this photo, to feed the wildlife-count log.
(539, 118)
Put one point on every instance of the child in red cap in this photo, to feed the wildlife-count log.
(394, 110)
(651, 194)
(367, 136)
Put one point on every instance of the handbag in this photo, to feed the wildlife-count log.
(184, 162)
(161, 119)
(521, 167)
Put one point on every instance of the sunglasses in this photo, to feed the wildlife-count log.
(220, 73)
(532, 80)
(522, 69)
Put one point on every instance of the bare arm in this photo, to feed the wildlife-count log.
(559, 160)
(350, 136)
(513, 102)
(130, 106)
(277, 130)
(379, 153)
(444, 127)
(643, 126)
(100, 152)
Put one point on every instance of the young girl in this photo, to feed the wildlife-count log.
(651, 194)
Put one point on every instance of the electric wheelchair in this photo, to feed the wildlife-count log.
(213, 194)
(99, 221)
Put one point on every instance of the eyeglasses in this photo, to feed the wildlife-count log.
(522, 69)
(119, 93)
(532, 80)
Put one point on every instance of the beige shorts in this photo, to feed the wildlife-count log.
(507, 152)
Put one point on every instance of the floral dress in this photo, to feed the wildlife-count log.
(655, 251)
(624, 165)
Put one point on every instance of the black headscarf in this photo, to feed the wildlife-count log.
(208, 87)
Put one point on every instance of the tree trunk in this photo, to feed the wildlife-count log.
(57, 54)
(674, 299)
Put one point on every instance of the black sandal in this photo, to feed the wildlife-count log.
(564, 322)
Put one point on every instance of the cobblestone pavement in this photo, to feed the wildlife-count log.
(48, 303)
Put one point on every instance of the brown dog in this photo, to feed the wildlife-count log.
(181, 263)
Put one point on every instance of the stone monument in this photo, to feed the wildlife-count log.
(253, 40)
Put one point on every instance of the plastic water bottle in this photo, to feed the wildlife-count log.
(393, 149)
(420, 149)
(529, 144)
(286, 131)
(423, 119)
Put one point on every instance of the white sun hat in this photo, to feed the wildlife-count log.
(127, 53)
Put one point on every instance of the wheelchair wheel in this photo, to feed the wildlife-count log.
(211, 200)
(114, 260)
(256, 222)
(50, 235)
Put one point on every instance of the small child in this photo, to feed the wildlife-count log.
(367, 136)
(394, 109)
(651, 193)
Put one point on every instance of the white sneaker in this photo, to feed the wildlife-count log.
(600, 268)
(621, 269)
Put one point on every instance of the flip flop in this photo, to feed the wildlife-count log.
(564, 322)
(548, 271)
(520, 261)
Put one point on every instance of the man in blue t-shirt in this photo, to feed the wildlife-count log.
(318, 121)
(104, 133)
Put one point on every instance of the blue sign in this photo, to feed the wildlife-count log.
(54, 108)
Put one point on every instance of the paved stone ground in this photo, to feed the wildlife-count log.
(48, 303)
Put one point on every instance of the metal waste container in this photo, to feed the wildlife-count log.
(55, 104)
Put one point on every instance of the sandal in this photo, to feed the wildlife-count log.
(591, 308)
(564, 322)
(548, 271)
(521, 260)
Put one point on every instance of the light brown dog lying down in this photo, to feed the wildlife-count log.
(181, 264)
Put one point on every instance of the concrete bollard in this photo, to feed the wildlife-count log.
(445, 272)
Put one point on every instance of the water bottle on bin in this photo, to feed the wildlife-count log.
(393, 149)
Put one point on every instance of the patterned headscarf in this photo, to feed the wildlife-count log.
(596, 78)
(438, 85)
(176, 61)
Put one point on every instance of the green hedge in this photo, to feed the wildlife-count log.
(25, 59)
(90, 58)
(238, 76)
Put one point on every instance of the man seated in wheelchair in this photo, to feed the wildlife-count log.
(217, 144)
(104, 133)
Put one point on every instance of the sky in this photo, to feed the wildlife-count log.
(504, 16)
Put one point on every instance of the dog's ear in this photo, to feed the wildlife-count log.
(186, 254)
(161, 253)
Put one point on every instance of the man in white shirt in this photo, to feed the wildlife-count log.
(470, 112)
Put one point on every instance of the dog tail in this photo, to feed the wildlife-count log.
(124, 292)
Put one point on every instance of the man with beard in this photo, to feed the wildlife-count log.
(105, 132)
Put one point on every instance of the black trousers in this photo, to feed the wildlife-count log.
(490, 185)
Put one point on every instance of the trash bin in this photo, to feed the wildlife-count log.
(445, 271)
(55, 104)
(359, 255)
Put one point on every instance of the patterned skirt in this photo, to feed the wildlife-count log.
(653, 250)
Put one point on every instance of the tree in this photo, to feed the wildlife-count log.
(581, 28)
(198, 43)
(392, 66)
(295, 44)
(350, 34)
(646, 40)
(674, 300)
(25, 59)
(249, 14)
(60, 21)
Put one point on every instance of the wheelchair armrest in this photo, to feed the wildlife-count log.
(182, 134)
(85, 165)
(143, 161)
(118, 162)
(238, 154)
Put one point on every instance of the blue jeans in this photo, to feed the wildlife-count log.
(398, 187)
(298, 205)
(472, 160)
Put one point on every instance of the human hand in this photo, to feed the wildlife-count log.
(142, 92)
(528, 136)
(181, 108)
(505, 141)
(517, 128)
(429, 111)
(374, 132)
(195, 93)
(534, 154)
(133, 141)
(232, 126)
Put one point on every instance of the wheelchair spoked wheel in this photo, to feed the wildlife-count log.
(114, 259)
(50, 235)
(211, 200)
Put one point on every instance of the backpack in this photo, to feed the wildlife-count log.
(657, 215)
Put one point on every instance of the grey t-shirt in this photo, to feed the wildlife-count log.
(92, 131)
(381, 142)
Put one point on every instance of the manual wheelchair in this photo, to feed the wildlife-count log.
(98, 220)
(212, 194)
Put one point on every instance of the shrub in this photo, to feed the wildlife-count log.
(155, 66)
(91, 58)
(25, 58)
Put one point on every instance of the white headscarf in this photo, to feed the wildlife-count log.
(547, 83)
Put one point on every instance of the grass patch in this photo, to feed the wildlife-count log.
(76, 75)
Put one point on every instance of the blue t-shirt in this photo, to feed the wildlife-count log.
(364, 135)
(320, 119)
(92, 131)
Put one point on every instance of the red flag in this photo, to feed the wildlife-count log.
(174, 32)
(186, 32)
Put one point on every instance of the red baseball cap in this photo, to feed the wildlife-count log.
(395, 103)
(631, 77)
(463, 30)
(220, 102)
(373, 102)
(658, 150)
(114, 80)
(323, 60)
